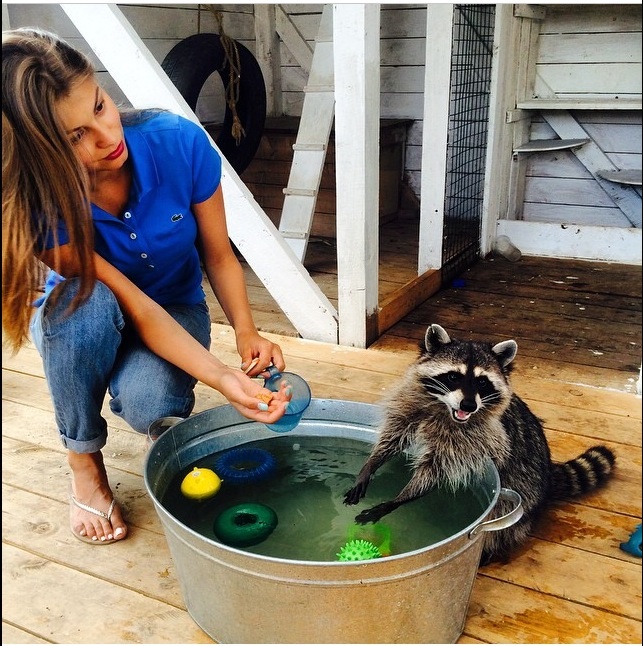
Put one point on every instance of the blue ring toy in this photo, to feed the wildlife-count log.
(245, 465)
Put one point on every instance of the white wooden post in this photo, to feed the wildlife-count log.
(145, 84)
(268, 57)
(356, 43)
(437, 85)
(499, 140)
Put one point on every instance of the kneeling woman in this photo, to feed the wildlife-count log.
(115, 205)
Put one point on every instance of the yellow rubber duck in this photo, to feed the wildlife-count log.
(200, 483)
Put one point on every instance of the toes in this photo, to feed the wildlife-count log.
(118, 526)
(96, 529)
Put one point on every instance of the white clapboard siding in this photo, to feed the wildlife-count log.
(559, 188)
(589, 51)
(393, 80)
(563, 163)
(402, 51)
(617, 81)
(576, 44)
(174, 22)
(586, 48)
(596, 19)
(585, 81)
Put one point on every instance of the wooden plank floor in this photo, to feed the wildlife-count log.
(577, 320)
(578, 328)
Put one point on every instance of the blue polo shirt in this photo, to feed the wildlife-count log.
(153, 243)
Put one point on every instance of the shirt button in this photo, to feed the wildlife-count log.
(132, 236)
(143, 255)
(151, 266)
(127, 214)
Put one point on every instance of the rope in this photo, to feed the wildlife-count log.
(234, 65)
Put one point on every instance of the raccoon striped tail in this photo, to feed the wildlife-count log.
(582, 474)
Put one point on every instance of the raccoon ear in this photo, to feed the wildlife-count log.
(435, 336)
(505, 351)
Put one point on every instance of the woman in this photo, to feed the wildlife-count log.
(118, 208)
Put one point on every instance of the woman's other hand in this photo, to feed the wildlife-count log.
(258, 353)
(251, 399)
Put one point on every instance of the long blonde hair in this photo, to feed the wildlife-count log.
(43, 182)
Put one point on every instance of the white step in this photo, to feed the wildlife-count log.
(631, 177)
(546, 145)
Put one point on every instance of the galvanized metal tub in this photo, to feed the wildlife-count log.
(239, 597)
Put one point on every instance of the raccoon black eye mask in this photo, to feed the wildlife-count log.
(462, 392)
(452, 410)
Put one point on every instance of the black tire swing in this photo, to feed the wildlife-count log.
(189, 64)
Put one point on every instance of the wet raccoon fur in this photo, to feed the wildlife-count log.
(453, 409)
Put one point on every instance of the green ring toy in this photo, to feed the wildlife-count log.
(245, 525)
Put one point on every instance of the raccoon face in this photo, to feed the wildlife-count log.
(467, 377)
(465, 390)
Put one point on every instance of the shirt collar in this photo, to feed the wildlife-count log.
(145, 176)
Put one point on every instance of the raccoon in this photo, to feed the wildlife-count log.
(455, 408)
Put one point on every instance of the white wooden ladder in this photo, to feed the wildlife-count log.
(311, 144)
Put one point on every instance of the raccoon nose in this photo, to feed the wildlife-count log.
(468, 405)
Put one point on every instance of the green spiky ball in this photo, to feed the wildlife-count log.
(358, 550)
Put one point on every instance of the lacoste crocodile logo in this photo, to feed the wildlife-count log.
(176, 217)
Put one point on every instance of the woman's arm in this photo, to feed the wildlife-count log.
(225, 275)
(166, 338)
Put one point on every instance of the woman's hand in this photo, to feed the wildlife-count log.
(257, 353)
(251, 399)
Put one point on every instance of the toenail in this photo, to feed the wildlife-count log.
(94, 538)
(102, 538)
(119, 531)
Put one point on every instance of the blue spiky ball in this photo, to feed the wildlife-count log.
(358, 550)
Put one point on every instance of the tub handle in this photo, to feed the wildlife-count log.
(504, 521)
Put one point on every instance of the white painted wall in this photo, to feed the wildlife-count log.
(578, 77)
(560, 189)
(591, 49)
(591, 56)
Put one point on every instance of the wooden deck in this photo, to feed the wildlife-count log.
(578, 328)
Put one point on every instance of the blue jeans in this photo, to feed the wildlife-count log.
(93, 350)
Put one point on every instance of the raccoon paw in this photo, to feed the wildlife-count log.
(373, 514)
(354, 495)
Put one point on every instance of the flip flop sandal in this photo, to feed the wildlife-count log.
(97, 512)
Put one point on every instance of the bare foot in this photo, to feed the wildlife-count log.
(90, 487)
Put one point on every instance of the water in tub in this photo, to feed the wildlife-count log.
(306, 490)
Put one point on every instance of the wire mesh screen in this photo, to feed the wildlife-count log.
(467, 138)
